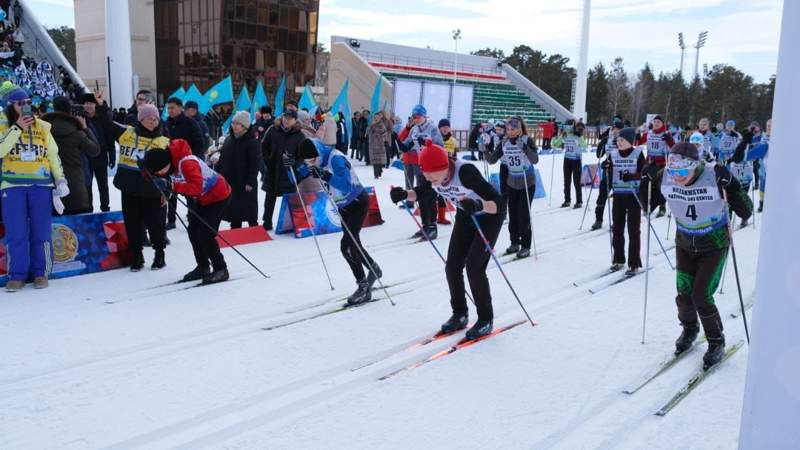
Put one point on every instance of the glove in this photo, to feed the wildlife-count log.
(288, 160)
(649, 172)
(303, 171)
(140, 164)
(316, 172)
(62, 188)
(421, 141)
(398, 194)
(627, 176)
(605, 165)
(163, 184)
(471, 206)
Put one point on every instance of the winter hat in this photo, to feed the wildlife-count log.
(303, 116)
(290, 113)
(242, 118)
(146, 111)
(191, 104)
(658, 117)
(156, 159)
(307, 149)
(419, 110)
(15, 94)
(629, 134)
(730, 123)
(89, 98)
(433, 158)
(444, 123)
(686, 150)
(618, 125)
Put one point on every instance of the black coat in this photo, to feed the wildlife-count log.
(277, 142)
(184, 127)
(108, 151)
(239, 159)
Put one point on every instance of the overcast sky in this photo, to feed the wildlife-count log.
(743, 33)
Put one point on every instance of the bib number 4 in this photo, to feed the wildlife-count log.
(691, 212)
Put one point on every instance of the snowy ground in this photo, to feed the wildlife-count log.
(106, 361)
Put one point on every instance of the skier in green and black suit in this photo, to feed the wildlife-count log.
(697, 192)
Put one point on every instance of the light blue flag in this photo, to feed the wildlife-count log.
(307, 101)
(342, 105)
(376, 98)
(179, 93)
(259, 100)
(243, 103)
(193, 95)
(221, 92)
(227, 125)
(279, 97)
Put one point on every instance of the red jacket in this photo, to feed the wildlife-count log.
(548, 130)
(408, 157)
(642, 140)
(193, 178)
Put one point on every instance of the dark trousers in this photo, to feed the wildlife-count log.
(756, 174)
(519, 218)
(172, 208)
(546, 142)
(140, 213)
(467, 249)
(698, 278)
(377, 170)
(353, 217)
(427, 203)
(99, 173)
(269, 208)
(202, 235)
(626, 209)
(572, 173)
(602, 197)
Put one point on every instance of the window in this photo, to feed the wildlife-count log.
(284, 17)
(302, 23)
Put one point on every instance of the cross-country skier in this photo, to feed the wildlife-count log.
(659, 140)
(625, 166)
(728, 142)
(574, 145)
(518, 154)
(607, 144)
(413, 138)
(352, 201)
(179, 171)
(462, 183)
(696, 192)
(707, 149)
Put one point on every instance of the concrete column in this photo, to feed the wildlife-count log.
(118, 49)
(583, 71)
(771, 412)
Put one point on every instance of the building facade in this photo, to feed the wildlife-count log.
(180, 42)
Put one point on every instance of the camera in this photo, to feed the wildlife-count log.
(78, 110)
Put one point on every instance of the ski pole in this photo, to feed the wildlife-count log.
(610, 223)
(500, 267)
(552, 173)
(650, 226)
(589, 197)
(647, 263)
(724, 272)
(436, 249)
(203, 221)
(310, 225)
(356, 242)
(530, 216)
(669, 224)
(736, 270)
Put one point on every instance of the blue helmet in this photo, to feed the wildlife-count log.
(730, 123)
(696, 138)
(419, 110)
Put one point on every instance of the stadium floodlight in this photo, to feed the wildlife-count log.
(682, 46)
(701, 42)
(456, 37)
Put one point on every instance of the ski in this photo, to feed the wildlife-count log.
(695, 380)
(747, 307)
(614, 282)
(342, 298)
(594, 276)
(438, 336)
(463, 343)
(147, 294)
(329, 312)
(662, 367)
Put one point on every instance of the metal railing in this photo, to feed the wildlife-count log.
(425, 62)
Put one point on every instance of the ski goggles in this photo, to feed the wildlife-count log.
(678, 165)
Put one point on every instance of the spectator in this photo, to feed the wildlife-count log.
(239, 163)
(143, 97)
(16, 9)
(19, 37)
(472, 140)
(214, 123)
(27, 190)
(278, 150)
(76, 144)
(263, 122)
(363, 140)
(356, 120)
(341, 134)
(379, 138)
(305, 124)
(191, 111)
(99, 165)
(327, 130)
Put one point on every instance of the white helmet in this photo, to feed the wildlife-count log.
(696, 138)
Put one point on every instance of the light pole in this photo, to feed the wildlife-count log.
(701, 42)
(682, 45)
(456, 37)
(579, 106)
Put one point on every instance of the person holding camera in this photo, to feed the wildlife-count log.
(32, 177)
(76, 143)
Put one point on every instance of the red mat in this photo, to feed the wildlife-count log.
(241, 236)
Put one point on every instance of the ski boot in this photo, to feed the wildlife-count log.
(372, 277)
(480, 329)
(686, 339)
(632, 271)
(513, 248)
(616, 267)
(170, 226)
(431, 232)
(745, 223)
(362, 295)
(217, 276)
(597, 225)
(198, 273)
(158, 261)
(523, 253)
(578, 205)
(456, 322)
(137, 262)
(565, 204)
(715, 352)
(761, 206)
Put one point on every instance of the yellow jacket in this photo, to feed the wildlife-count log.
(451, 145)
(30, 157)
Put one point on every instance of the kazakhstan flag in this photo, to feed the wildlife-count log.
(221, 92)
